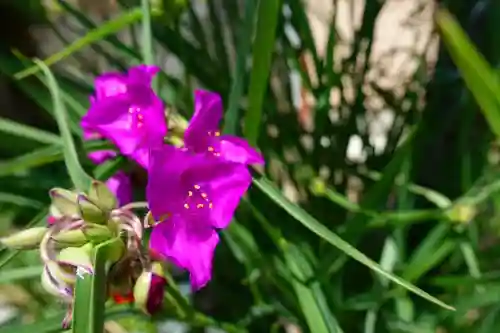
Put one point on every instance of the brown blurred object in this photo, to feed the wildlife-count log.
(101, 8)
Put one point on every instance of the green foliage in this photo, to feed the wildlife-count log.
(424, 257)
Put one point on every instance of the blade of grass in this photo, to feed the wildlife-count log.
(478, 75)
(245, 39)
(80, 179)
(267, 21)
(23, 273)
(147, 38)
(25, 131)
(43, 156)
(108, 28)
(319, 229)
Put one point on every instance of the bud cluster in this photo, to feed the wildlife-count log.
(77, 224)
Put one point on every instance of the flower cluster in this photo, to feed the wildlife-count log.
(192, 192)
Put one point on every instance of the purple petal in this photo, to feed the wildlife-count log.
(133, 119)
(224, 185)
(164, 191)
(109, 85)
(189, 245)
(121, 186)
(238, 150)
(182, 182)
(205, 121)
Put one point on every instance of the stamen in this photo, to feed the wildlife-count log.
(190, 193)
(197, 187)
(186, 206)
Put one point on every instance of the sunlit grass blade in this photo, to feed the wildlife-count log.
(23, 273)
(19, 200)
(96, 35)
(231, 117)
(478, 75)
(25, 131)
(79, 177)
(263, 49)
(43, 156)
(312, 224)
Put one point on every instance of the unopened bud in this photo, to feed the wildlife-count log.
(89, 211)
(96, 233)
(77, 257)
(461, 212)
(318, 187)
(26, 239)
(149, 289)
(68, 238)
(65, 202)
(100, 194)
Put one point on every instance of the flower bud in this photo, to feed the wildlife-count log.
(68, 238)
(100, 194)
(64, 202)
(89, 211)
(26, 239)
(149, 289)
(96, 233)
(77, 258)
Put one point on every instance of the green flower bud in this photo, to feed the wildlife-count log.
(100, 194)
(77, 257)
(149, 289)
(90, 212)
(68, 238)
(96, 233)
(26, 239)
(65, 202)
(461, 212)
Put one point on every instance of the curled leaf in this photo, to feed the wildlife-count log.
(26, 239)
(54, 287)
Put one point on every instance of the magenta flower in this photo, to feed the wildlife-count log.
(202, 134)
(126, 111)
(192, 194)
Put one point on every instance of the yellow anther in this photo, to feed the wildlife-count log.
(199, 206)
(197, 187)
(190, 193)
(204, 195)
(186, 206)
(210, 148)
(217, 133)
(210, 205)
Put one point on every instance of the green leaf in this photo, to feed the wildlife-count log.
(478, 75)
(263, 49)
(80, 179)
(90, 293)
(25, 131)
(108, 28)
(312, 224)
(22, 273)
(245, 40)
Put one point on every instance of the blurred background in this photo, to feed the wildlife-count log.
(366, 124)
